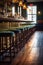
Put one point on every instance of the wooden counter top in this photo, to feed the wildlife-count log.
(13, 20)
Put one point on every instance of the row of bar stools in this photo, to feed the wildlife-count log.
(12, 42)
(21, 37)
(6, 42)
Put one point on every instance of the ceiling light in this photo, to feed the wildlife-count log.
(39, 12)
(14, 1)
(24, 6)
(20, 3)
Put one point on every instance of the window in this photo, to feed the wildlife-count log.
(32, 13)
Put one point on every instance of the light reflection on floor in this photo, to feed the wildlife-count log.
(33, 51)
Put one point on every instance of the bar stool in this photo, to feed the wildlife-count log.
(17, 41)
(6, 42)
(26, 37)
(22, 38)
(27, 33)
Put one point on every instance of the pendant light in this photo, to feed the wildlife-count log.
(14, 1)
(24, 6)
(20, 3)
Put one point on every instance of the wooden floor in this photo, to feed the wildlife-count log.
(32, 53)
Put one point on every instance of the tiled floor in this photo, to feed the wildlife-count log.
(32, 54)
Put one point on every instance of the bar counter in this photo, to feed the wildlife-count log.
(13, 39)
(16, 28)
(12, 19)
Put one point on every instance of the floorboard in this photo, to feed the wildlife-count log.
(32, 53)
